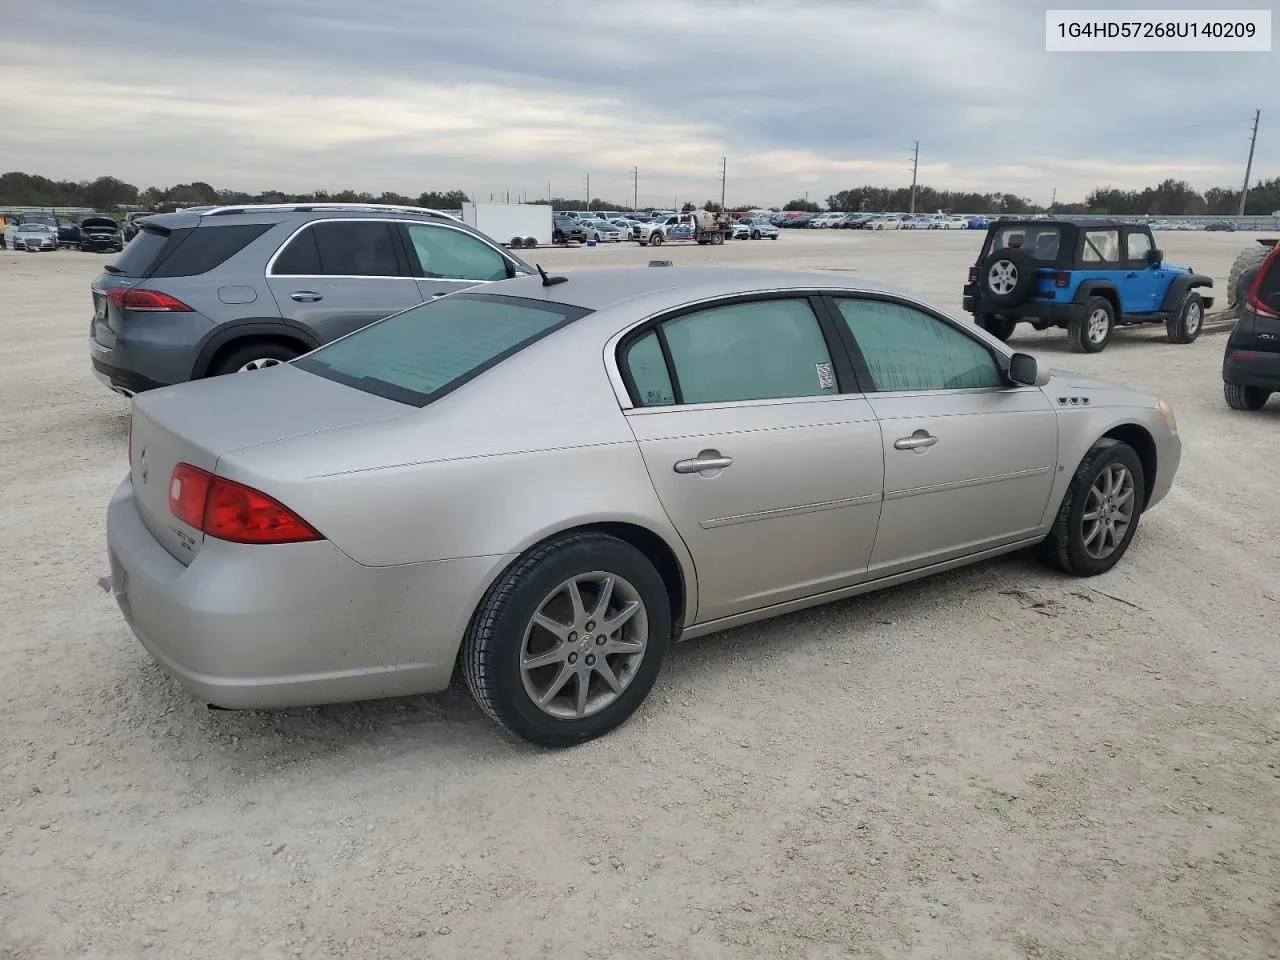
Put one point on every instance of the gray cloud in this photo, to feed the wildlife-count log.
(492, 95)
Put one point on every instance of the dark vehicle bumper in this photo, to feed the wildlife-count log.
(1049, 314)
(1252, 368)
(100, 243)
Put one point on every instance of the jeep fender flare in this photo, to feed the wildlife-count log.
(248, 328)
(1179, 287)
(1099, 288)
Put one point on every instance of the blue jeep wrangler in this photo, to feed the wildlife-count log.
(1086, 276)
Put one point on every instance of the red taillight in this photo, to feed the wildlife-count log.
(1254, 298)
(188, 493)
(231, 511)
(1062, 279)
(152, 301)
(973, 274)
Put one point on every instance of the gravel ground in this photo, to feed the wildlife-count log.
(999, 762)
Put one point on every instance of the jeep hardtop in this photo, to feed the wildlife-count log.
(1086, 276)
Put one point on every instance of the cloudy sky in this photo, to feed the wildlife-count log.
(496, 95)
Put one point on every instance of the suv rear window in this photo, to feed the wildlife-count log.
(1041, 242)
(144, 250)
(426, 351)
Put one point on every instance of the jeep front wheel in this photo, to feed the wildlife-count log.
(1090, 330)
(1187, 320)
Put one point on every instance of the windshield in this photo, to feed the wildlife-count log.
(426, 351)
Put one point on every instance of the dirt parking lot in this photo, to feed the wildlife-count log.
(1000, 762)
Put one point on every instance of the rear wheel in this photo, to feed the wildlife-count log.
(999, 327)
(717, 238)
(1090, 330)
(1245, 398)
(255, 355)
(1187, 320)
(1099, 514)
(569, 640)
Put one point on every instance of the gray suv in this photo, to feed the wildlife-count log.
(225, 289)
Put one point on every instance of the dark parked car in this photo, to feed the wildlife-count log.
(237, 288)
(565, 228)
(1220, 225)
(1251, 364)
(100, 234)
(68, 233)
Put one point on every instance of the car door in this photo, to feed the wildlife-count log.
(336, 276)
(764, 455)
(969, 458)
(443, 259)
(1101, 258)
(1143, 283)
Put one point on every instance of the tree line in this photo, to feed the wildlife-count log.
(1170, 198)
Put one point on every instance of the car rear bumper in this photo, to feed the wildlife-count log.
(154, 350)
(1050, 314)
(252, 626)
(1252, 368)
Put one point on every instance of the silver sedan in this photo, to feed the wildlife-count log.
(547, 481)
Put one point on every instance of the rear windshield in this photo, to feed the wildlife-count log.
(141, 253)
(426, 351)
(1041, 242)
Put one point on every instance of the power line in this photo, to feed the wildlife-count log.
(1248, 167)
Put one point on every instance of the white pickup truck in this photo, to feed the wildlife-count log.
(701, 226)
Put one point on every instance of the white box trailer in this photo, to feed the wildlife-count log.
(515, 225)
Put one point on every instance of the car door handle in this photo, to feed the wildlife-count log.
(707, 460)
(305, 296)
(917, 441)
(1130, 276)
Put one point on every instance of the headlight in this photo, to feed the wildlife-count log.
(1170, 420)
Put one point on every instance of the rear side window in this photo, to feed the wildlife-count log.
(349, 248)
(426, 351)
(209, 247)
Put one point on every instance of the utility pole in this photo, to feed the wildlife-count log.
(635, 188)
(548, 192)
(915, 168)
(1248, 167)
(724, 174)
(1054, 202)
(588, 206)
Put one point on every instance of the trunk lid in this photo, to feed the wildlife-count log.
(198, 422)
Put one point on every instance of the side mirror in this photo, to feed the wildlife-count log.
(1155, 257)
(1023, 369)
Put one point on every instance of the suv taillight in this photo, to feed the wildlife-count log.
(1062, 279)
(231, 511)
(973, 274)
(1254, 299)
(147, 301)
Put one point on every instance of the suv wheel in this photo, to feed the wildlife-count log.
(999, 327)
(1245, 398)
(1186, 322)
(254, 356)
(1090, 330)
(1008, 277)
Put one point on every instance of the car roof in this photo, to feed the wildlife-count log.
(597, 289)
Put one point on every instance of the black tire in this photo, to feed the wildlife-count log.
(493, 645)
(655, 239)
(1064, 548)
(246, 353)
(755, 234)
(1244, 262)
(1009, 265)
(1245, 398)
(717, 238)
(1187, 319)
(558, 237)
(999, 327)
(1078, 330)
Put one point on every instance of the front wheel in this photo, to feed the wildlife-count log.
(655, 240)
(1187, 320)
(1099, 514)
(717, 239)
(568, 642)
(1245, 398)
(1090, 330)
(755, 235)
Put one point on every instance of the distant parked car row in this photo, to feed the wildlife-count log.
(36, 231)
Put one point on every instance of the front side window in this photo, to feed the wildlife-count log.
(1101, 246)
(1138, 245)
(444, 253)
(757, 350)
(906, 349)
(425, 351)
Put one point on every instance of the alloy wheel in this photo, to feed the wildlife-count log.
(1099, 324)
(1108, 511)
(260, 364)
(1002, 277)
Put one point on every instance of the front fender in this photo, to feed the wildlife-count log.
(1179, 287)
